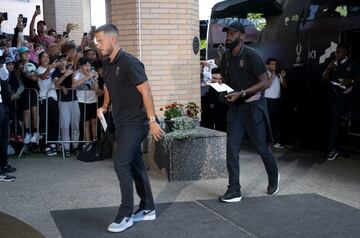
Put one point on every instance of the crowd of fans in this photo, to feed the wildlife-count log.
(47, 66)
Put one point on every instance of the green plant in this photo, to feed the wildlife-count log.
(183, 128)
(173, 110)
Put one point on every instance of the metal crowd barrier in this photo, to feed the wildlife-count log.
(46, 132)
(30, 117)
(60, 141)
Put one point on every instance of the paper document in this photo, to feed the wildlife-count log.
(222, 87)
(102, 120)
(337, 84)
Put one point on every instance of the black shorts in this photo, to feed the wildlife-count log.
(90, 111)
(29, 98)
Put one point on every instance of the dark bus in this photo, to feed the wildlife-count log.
(302, 36)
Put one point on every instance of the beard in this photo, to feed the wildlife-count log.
(107, 53)
(232, 44)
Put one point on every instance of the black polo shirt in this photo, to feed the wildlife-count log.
(121, 78)
(241, 71)
(344, 70)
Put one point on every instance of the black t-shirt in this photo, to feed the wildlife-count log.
(67, 83)
(121, 78)
(13, 82)
(241, 71)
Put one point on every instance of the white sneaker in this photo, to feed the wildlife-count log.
(144, 215)
(279, 146)
(27, 138)
(122, 226)
(35, 138)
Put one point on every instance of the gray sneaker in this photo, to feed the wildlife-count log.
(144, 215)
(126, 223)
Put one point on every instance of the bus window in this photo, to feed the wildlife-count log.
(312, 12)
(252, 14)
(326, 10)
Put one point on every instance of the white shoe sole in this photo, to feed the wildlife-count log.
(278, 185)
(123, 228)
(237, 199)
(333, 157)
(145, 218)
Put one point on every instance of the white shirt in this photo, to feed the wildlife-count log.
(84, 92)
(46, 84)
(4, 75)
(273, 91)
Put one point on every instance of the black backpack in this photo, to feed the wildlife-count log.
(97, 150)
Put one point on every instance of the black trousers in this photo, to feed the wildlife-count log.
(276, 119)
(53, 118)
(250, 118)
(4, 136)
(339, 105)
(129, 167)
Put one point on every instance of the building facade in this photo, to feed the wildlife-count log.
(158, 32)
(16, 7)
(161, 33)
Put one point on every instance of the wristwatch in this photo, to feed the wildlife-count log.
(152, 119)
(242, 93)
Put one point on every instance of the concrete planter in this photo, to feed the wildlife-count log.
(202, 156)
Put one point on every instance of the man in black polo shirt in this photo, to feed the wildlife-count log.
(243, 69)
(126, 85)
(342, 73)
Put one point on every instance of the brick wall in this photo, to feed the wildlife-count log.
(65, 11)
(164, 44)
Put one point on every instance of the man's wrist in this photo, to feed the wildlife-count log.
(152, 119)
(242, 93)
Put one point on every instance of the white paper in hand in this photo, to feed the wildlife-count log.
(102, 120)
(222, 87)
(338, 84)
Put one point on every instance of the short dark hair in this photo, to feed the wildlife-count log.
(83, 61)
(270, 60)
(68, 46)
(108, 28)
(41, 22)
